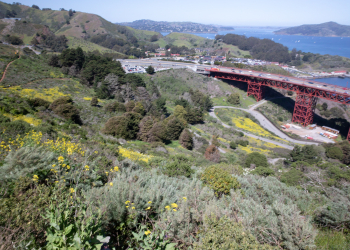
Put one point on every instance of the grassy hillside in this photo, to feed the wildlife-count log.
(323, 29)
(183, 39)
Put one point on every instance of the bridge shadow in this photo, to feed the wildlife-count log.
(287, 103)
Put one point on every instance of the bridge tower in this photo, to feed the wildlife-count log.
(255, 89)
(304, 109)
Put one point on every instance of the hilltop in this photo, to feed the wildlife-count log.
(323, 29)
(187, 27)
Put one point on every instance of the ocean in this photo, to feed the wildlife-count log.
(343, 82)
(322, 45)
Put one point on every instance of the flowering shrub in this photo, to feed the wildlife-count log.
(133, 155)
(219, 180)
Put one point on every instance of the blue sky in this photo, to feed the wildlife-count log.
(224, 12)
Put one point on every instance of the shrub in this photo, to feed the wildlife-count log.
(38, 102)
(12, 129)
(306, 153)
(158, 133)
(115, 107)
(243, 143)
(129, 106)
(139, 109)
(224, 233)
(60, 101)
(214, 141)
(145, 126)
(233, 145)
(125, 126)
(180, 112)
(186, 139)
(257, 159)
(290, 93)
(234, 99)
(263, 171)
(69, 112)
(212, 154)
(219, 180)
(94, 101)
(293, 177)
(334, 153)
(178, 165)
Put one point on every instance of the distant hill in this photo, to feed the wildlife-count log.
(323, 29)
(162, 26)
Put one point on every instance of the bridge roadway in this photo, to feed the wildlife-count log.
(155, 62)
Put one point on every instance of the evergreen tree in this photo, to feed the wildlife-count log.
(186, 139)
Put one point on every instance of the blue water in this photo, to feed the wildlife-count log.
(322, 45)
(336, 81)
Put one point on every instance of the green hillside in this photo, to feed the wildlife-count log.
(323, 29)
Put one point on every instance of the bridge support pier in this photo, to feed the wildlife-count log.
(304, 109)
(255, 89)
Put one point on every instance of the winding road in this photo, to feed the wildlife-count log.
(265, 124)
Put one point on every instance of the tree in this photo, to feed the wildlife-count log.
(234, 99)
(94, 101)
(125, 126)
(53, 61)
(186, 139)
(154, 38)
(334, 153)
(180, 112)
(174, 128)
(130, 106)
(306, 153)
(35, 7)
(70, 12)
(217, 63)
(150, 70)
(324, 106)
(257, 159)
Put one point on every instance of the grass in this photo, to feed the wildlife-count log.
(87, 46)
(25, 70)
(332, 240)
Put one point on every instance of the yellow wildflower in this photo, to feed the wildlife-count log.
(167, 207)
(185, 198)
(148, 208)
(61, 158)
(111, 184)
(35, 177)
(174, 205)
(68, 167)
(71, 190)
(147, 232)
(150, 202)
(174, 210)
(127, 206)
(53, 165)
(96, 152)
(133, 208)
(116, 168)
(127, 202)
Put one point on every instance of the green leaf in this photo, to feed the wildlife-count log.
(68, 229)
(170, 246)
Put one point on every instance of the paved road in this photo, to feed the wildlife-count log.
(266, 124)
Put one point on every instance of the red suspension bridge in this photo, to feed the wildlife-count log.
(307, 91)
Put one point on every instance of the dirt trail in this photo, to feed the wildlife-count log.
(8, 65)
